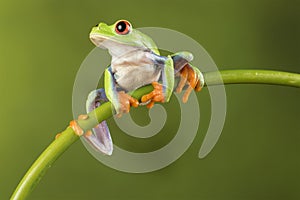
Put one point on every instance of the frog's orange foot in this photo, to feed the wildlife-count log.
(57, 135)
(155, 96)
(126, 101)
(77, 129)
(88, 133)
(188, 77)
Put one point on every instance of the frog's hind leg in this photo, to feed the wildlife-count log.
(99, 138)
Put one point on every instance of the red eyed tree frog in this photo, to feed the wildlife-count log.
(135, 62)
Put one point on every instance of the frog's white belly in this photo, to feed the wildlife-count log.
(133, 77)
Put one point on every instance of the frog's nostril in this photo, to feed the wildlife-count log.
(97, 25)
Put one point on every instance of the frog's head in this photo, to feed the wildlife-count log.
(120, 35)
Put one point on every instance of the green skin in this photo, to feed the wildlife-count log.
(136, 61)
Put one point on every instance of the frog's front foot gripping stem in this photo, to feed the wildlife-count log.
(155, 96)
(193, 78)
(125, 102)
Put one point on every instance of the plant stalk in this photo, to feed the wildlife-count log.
(105, 111)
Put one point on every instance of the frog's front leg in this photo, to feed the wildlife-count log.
(192, 77)
(120, 99)
(161, 92)
(189, 75)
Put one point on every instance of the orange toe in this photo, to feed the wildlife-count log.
(57, 135)
(156, 95)
(76, 128)
(88, 133)
(188, 77)
(126, 101)
(183, 79)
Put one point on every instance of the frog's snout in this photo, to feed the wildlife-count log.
(96, 39)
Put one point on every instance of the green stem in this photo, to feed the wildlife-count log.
(68, 137)
(253, 76)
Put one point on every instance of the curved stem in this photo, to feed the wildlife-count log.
(253, 76)
(68, 137)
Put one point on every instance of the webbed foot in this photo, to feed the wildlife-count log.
(126, 101)
(192, 77)
(155, 96)
(75, 126)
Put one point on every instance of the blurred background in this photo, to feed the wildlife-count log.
(257, 157)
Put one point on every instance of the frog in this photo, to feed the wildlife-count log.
(135, 62)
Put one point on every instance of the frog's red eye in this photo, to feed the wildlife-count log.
(123, 27)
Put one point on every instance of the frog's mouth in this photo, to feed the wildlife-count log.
(115, 47)
(96, 40)
(105, 42)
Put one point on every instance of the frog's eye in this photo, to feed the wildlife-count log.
(123, 27)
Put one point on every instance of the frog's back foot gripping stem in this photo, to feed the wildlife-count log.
(100, 138)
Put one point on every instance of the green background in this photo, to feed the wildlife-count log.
(257, 157)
